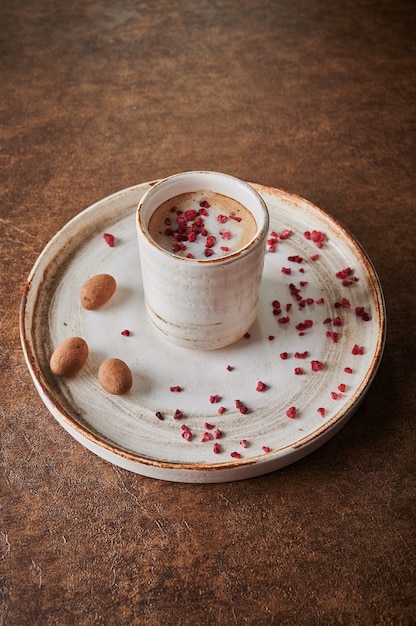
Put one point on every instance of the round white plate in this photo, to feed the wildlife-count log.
(125, 431)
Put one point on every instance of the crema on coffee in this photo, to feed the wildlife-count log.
(202, 225)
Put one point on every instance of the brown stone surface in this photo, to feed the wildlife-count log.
(314, 97)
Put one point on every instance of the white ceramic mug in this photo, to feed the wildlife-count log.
(202, 303)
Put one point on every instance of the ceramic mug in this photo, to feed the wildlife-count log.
(201, 290)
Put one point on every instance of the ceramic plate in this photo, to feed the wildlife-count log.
(321, 306)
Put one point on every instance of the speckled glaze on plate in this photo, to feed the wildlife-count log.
(124, 430)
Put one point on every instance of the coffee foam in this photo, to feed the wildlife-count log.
(226, 219)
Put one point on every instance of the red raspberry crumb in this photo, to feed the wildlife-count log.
(316, 366)
(344, 273)
(318, 237)
(109, 239)
(190, 215)
(241, 407)
(361, 312)
(304, 325)
(333, 336)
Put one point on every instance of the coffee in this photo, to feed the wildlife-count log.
(202, 225)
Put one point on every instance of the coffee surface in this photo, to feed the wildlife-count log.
(202, 225)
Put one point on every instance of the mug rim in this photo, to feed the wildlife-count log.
(262, 222)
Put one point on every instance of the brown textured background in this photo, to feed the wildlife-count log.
(314, 96)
